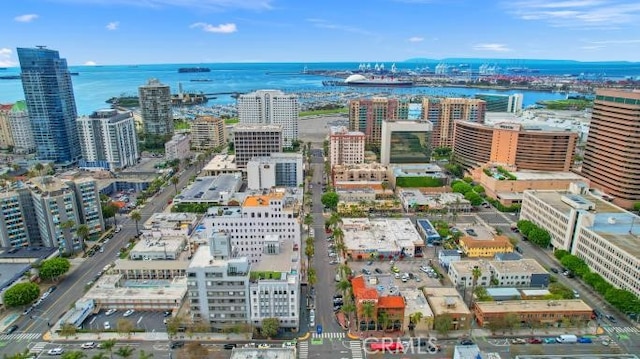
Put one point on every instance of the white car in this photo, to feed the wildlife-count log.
(128, 313)
(264, 346)
(55, 351)
(110, 311)
(107, 326)
(88, 345)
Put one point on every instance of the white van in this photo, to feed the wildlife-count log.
(567, 339)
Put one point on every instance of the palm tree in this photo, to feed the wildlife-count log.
(73, 355)
(100, 355)
(308, 221)
(414, 320)
(174, 181)
(24, 355)
(338, 234)
(384, 185)
(108, 346)
(136, 216)
(125, 351)
(343, 286)
(83, 232)
(144, 355)
(348, 309)
(39, 167)
(312, 277)
(344, 270)
(67, 225)
(476, 273)
(367, 312)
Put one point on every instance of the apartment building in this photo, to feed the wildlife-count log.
(613, 145)
(256, 141)
(6, 137)
(371, 172)
(260, 215)
(534, 313)
(14, 219)
(271, 107)
(366, 116)
(275, 170)
(443, 113)
(21, 129)
(518, 273)
(346, 147)
(485, 247)
(405, 142)
(524, 147)
(208, 133)
(87, 197)
(600, 233)
(108, 139)
(178, 148)
(155, 108)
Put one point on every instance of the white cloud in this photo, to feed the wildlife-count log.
(584, 14)
(617, 42)
(216, 5)
(26, 17)
(90, 63)
(592, 47)
(416, 39)
(219, 29)
(5, 57)
(324, 24)
(113, 25)
(491, 47)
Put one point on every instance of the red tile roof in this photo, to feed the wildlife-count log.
(361, 291)
(392, 301)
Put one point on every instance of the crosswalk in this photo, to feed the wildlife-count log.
(20, 336)
(38, 347)
(356, 349)
(328, 336)
(303, 350)
(622, 330)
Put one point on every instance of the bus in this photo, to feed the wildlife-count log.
(385, 346)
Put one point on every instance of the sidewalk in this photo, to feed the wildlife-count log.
(146, 336)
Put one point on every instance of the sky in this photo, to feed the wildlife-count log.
(114, 32)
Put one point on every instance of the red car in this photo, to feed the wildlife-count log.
(534, 341)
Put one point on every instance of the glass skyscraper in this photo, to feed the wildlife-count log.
(48, 92)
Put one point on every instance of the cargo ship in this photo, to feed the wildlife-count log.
(193, 69)
(361, 81)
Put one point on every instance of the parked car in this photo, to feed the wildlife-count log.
(366, 271)
(55, 351)
(518, 341)
(378, 270)
(264, 346)
(11, 329)
(110, 311)
(611, 318)
(585, 340)
(229, 346)
(178, 344)
(549, 340)
(88, 345)
(466, 341)
(107, 326)
(128, 313)
(534, 341)
(554, 270)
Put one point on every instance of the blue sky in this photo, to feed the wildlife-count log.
(194, 31)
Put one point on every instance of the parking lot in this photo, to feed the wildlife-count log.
(390, 273)
(145, 320)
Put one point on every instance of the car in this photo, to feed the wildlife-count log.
(11, 329)
(55, 351)
(178, 344)
(554, 270)
(107, 326)
(337, 307)
(27, 311)
(518, 341)
(471, 232)
(167, 313)
(534, 341)
(264, 346)
(585, 340)
(549, 340)
(576, 294)
(229, 346)
(611, 318)
(52, 289)
(110, 311)
(395, 269)
(418, 279)
(128, 313)
(378, 270)
(289, 344)
(336, 296)
(366, 271)
(606, 342)
(88, 345)
(369, 263)
(597, 313)
(466, 341)
(397, 275)
(334, 262)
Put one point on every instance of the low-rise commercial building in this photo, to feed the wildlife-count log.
(535, 313)
(151, 269)
(485, 247)
(446, 256)
(170, 224)
(371, 172)
(113, 291)
(165, 248)
(416, 302)
(523, 273)
(428, 231)
(211, 190)
(380, 238)
(447, 302)
(221, 164)
(416, 175)
(392, 305)
(423, 200)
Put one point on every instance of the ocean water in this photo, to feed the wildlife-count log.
(95, 84)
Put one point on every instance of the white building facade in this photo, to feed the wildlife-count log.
(21, 129)
(256, 141)
(276, 170)
(155, 108)
(271, 107)
(178, 148)
(346, 147)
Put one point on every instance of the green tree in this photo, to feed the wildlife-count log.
(195, 350)
(560, 253)
(174, 182)
(54, 268)
(461, 187)
(108, 345)
(136, 216)
(330, 200)
(575, 264)
(124, 352)
(309, 251)
(21, 294)
(144, 355)
(173, 324)
(636, 207)
(367, 312)
(100, 355)
(473, 198)
(39, 167)
(124, 326)
(443, 323)
(384, 322)
(22, 355)
(75, 354)
(414, 320)
(270, 327)
(481, 294)
(83, 232)
(67, 330)
(343, 286)
(525, 226)
(109, 210)
(540, 237)
(312, 277)
(308, 221)
(478, 189)
(384, 184)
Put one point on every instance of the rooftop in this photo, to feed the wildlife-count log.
(177, 221)
(414, 196)
(379, 234)
(360, 186)
(620, 229)
(286, 261)
(211, 188)
(528, 265)
(48, 184)
(520, 306)
(202, 258)
(445, 300)
(555, 200)
(147, 244)
(108, 290)
(361, 291)
(415, 301)
(415, 170)
(497, 241)
(262, 200)
(503, 292)
(391, 301)
(248, 127)
(535, 292)
(271, 353)
(127, 264)
(221, 162)
(547, 175)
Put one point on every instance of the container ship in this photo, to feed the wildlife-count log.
(361, 81)
(193, 69)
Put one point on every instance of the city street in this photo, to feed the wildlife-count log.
(72, 286)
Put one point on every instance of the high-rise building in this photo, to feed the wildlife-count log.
(155, 107)
(21, 129)
(108, 138)
(525, 147)
(346, 147)
(611, 160)
(271, 107)
(444, 112)
(501, 103)
(48, 92)
(13, 220)
(256, 141)
(6, 138)
(406, 142)
(275, 170)
(88, 202)
(207, 133)
(366, 115)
